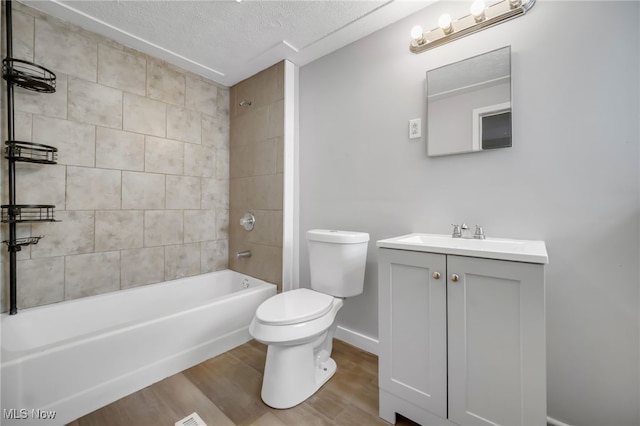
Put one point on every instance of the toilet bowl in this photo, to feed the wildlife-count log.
(298, 325)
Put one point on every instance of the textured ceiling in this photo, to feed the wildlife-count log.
(228, 41)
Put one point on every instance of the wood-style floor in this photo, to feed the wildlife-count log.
(225, 390)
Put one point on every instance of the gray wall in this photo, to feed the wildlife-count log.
(571, 178)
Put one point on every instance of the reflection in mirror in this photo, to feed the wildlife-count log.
(469, 104)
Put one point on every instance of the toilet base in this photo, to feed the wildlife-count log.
(291, 375)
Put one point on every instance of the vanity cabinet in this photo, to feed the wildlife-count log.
(462, 339)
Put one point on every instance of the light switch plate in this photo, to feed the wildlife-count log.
(415, 128)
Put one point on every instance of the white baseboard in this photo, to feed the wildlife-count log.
(358, 340)
(553, 422)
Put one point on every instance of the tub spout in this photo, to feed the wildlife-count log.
(241, 254)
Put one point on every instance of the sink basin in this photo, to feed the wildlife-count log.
(490, 248)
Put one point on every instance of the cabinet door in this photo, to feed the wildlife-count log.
(497, 372)
(412, 328)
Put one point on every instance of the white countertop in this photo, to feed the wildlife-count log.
(491, 248)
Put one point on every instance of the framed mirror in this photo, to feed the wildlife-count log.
(469, 105)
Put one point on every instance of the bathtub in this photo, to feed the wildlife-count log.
(67, 359)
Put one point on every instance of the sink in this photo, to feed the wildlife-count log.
(490, 248)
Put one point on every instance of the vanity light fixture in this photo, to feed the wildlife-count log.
(480, 17)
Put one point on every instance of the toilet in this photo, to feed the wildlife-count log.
(298, 325)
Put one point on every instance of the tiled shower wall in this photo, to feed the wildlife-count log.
(257, 150)
(142, 181)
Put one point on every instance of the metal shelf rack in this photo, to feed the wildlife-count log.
(30, 76)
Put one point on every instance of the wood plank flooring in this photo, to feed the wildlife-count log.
(225, 391)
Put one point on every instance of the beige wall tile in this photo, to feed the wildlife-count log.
(183, 192)
(165, 83)
(40, 184)
(94, 104)
(74, 234)
(214, 194)
(93, 189)
(181, 261)
(105, 274)
(264, 157)
(120, 150)
(144, 115)
(184, 124)
(223, 104)
(214, 255)
(118, 230)
(222, 163)
(238, 194)
(215, 131)
(199, 160)
(142, 266)
(66, 50)
(201, 96)
(251, 126)
(199, 225)
(122, 70)
(222, 223)
(163, 155)
(23, 29)
(241, 161)
(163, 227)
(280, 156)
(121, 128)
(75, 141)
(33, 290)
(23, 125)
(268, 228)
(265, 192)
(142, 190)
(275, 128)
(49, 104)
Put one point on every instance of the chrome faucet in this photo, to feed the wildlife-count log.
(462, 231)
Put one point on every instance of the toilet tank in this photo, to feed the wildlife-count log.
(337, 261)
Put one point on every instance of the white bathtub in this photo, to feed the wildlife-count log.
(74, 357)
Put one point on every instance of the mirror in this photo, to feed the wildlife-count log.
(469, 105)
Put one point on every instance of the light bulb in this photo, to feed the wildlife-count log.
(417, 36)
(445, 23)
(416, 32)
(477, 10)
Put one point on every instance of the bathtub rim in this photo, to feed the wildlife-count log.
(9, 357)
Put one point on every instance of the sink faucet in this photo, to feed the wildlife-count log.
(462, 231)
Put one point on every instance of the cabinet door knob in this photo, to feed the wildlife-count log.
(436, 275)
(455, 278)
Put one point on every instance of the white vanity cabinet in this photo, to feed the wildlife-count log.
(462, 338)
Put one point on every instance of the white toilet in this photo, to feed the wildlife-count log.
(298, 325)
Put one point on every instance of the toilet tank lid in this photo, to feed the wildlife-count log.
(338, 237)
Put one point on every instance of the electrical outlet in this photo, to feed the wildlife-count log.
(415, 128)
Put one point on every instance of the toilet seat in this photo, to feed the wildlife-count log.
(293, 307)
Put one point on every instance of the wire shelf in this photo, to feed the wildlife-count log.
(28, 75)
(28, 213)
(18, 243)
(31, 152)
